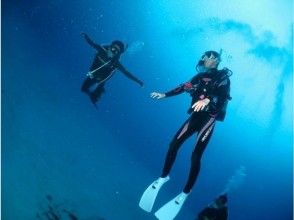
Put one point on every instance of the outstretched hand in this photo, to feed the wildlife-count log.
(157, 95)
(200, 105)
(141, 84)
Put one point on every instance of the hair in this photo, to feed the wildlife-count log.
(120, 45)
(211, 52)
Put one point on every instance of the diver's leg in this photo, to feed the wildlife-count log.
(201, 143)
(96, 94)
(87, 84)
(187, 129)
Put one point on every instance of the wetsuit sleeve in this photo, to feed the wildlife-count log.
(220, 95)
(129, 75)
(182, 87)
(176, 91)
(92, 43)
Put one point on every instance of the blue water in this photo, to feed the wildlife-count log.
(97, 163)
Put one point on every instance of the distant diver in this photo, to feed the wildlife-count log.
(105, 63)
(210, 92)
(218, 210)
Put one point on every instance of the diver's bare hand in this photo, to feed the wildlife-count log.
(200, 105)
(157, 95)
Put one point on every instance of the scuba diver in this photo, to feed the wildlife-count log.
(218, 210)
(105, 63)
(210, 92)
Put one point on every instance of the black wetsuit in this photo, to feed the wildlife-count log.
(102, 69)
(212, 213)
(214, 85)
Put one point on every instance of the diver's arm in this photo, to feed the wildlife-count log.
(184, 87)
(129, 75)
(178, 90)
(181, 88)
(92, 43)
(158, 95)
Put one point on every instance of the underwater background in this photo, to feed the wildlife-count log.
(57, 148)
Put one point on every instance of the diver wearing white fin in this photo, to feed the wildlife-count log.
(148, 198)
(170, 210)
(210, 92)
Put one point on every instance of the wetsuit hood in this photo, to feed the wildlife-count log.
(120, 45)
